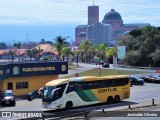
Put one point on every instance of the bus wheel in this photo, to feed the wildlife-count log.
(69, 105)
(117, 99)
(109, 100)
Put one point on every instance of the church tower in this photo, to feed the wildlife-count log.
(93, 14)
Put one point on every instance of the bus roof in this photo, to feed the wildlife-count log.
(56, 82)
(84, 78)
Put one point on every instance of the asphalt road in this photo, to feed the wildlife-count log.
(138, 94)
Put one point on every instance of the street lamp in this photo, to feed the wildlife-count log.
(100, 57)
(27, 41)
(77, 59)
(77, 56)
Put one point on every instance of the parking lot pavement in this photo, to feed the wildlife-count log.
(146, 105)
(149, 105)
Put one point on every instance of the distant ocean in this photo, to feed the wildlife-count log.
(35, 33)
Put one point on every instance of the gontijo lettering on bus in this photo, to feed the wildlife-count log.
(107, 90)
(34, 69)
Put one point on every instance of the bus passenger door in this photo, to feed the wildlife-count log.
(70, 94)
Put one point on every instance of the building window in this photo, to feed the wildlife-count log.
(21, 85)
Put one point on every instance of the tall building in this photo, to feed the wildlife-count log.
(93, 15)
(99, 33)
(108, 31)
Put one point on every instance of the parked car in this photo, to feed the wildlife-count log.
(156, 79)
(152, 79)
(101, 62)
(7, 97)
(136, 80)
(105, 65)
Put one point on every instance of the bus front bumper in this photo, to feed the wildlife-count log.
(49, 106)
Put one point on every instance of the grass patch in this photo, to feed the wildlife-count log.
(71, 66)
(106, 72)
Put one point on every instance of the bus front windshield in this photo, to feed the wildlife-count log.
(48, 91)
(52, 93)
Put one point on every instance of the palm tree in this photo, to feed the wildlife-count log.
(18, 46)
(100, 50)
(60, 44)
(12, 53)
(66, 52)
(29, 52)
(86, 47)
(37, 52)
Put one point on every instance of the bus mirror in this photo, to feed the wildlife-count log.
(32, 95)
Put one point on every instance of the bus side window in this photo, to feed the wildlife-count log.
(126, 81)
(92, 85)
(101, 84)
(113, 83)
(57, 95)
(84, 85)
(71, 87)
(79, 87)
(118, 82)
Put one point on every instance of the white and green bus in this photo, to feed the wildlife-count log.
(81, 91)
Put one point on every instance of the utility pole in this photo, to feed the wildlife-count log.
(27, 40)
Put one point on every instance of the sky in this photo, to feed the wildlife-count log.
(33, 20)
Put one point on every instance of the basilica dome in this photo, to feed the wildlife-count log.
(82, 34)
(112, 15)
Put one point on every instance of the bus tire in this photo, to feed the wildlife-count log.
(116, 99)
(109, 100)
(69, 105)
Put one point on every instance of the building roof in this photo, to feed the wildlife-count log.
(112, 15)
(46, 48)
(2, 52)
(138, 24)
(81, 26)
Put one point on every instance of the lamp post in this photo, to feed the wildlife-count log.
(13, 50)
(27, 40)
(77, 59)
(100, 57)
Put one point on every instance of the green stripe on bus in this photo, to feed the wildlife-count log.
(86, 95)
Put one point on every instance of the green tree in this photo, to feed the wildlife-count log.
(60, 44)
(132, 58)
(143, 48)
(136, 33)
(18, 46)
(110, 53)
(12, 53)
(156, 57)
(37, 51)
(30, 53)
(100, 50)
(85, 48)
(66, 52)
(3, 46)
